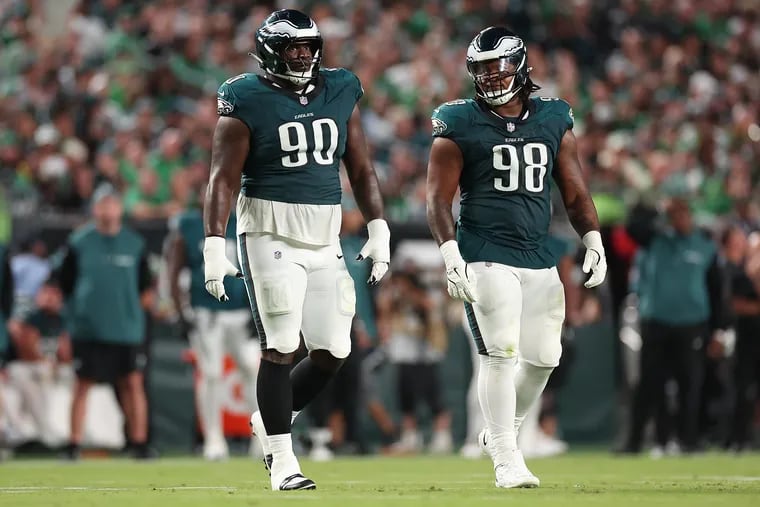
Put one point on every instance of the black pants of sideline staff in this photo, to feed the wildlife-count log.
(746, 380)
(667, 352)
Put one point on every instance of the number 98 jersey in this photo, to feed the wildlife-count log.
(505, 182)
(290, 183)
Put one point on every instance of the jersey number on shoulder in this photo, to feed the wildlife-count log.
(294, 141)
(506, 158)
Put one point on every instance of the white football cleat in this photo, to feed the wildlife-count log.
(441, 443)
(513, 473)
(287, 476)
(215, 449)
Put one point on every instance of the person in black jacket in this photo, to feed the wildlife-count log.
(744, 267)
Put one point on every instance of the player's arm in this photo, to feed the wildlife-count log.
(174, 253)
(145, 282)
(229, 150)
(367, 194)
(444, 169)
(580, 208)
(228, 153)
(175, 260)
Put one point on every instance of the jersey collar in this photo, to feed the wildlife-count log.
(496, 118)
(304, 99)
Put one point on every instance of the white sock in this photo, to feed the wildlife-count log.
(496, 390)
(210, 403)
(293, 416)
(530, 382)
(527, 432)
(281, 448)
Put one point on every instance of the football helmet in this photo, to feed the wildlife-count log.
(281, 29)
(495, 54)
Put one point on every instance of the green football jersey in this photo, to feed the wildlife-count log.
(189, 225)
(504, 186)
(297, 141)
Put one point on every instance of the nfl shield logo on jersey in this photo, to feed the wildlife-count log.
(510, 127)
(304, 100)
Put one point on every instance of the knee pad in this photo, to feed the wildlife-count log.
(502, 346)
(544, 355)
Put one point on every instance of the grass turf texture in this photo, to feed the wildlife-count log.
(577, 479)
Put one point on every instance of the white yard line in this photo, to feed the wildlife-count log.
(32, 489)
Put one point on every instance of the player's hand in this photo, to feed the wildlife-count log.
(378, 247)
(216, 266)
(462, 283)
(595, 260)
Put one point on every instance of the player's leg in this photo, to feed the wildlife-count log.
(648, 393)
(247, 354)
(207, 341)
(131, 385)
(495, 322)
(328, 311)
(441, 441)
(247, 357)
(86, 357)
(543, 313)
(276, 286)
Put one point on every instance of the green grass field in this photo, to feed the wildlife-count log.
(577, 479)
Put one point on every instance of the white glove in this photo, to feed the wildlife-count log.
(595, 261)
(378, 247)
(216, 266)
(462, 283)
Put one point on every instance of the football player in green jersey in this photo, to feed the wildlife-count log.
(285, 132)
(214, 328)
(500, 150)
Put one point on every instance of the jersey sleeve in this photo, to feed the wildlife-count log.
(348, 81)
(356, 86)
(566, 114)
(447, 120)
(229, 101)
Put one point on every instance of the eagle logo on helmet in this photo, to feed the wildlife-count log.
(280, 30)
(495, 55)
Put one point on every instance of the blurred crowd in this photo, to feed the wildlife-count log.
(666, 98)
(665, 94)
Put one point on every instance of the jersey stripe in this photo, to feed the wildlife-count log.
(473, 322)
(245, 266)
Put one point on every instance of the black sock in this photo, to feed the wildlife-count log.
(275, 396)
(307, 380)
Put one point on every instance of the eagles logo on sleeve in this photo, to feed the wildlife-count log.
(439, 127)
(223, 107)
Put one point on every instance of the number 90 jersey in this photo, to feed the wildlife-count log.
(297, 141)
(505, 182)
(291, 183)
